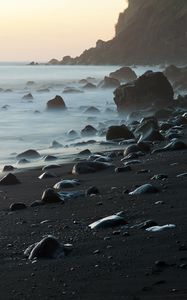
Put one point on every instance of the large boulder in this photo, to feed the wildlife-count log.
(151, 90)
(119, 132)
(124, 74)
(56, 104)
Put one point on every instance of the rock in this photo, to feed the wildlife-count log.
(148, 131)
(8, 168)
(123, 169)
(46, 175)
(124, 74)
(131, 149)
(145, 189)
(89, 86)
(45, 168)
(56, 104)
(30, 154)
(45, 90)
(92, 110)
(55, 144)
(50, 196)
(182, 175)
(159, 177)
(17, 206)
(180, 120)
(23, 161)
(152, 90)
(65, 183)
(29, 83)
(178, 76)
(9, 179)
(99, 158)
(108, 222)
(163, 114)
(90, 167)
(50, 158)
(175, 145)
(28, 97)
(160, 228)
(88, 130)
(85, 152)
(109, 82)
(148, 224)
(48, 247)
(70, 90)
(152, 136)
(132, 162)
(93, 190)
(117, 132)
(72, 133)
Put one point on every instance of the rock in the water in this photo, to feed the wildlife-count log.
(72, 90)
(8, 168)
(152, 89)
(145, 189)
(72, 133)
(46, 175)
(9, 179)
(30, 154)
(109, 82)
(23, 161)
(28, 97)
(17, 206)
(90, 167)
(85, 152)
(50, 196)
(93, 190)
(119, 132)
(50, 158)
(108, 222)
(88, 131)
(92, 110)
(65, 184)
(48, 247)
(56, 104)
(45, 168)
(55, 144)
(89, 86)
(124, 74)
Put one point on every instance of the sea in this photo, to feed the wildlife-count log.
(26, 124)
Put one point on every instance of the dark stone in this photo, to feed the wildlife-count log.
(50, 158)
(92, 190)
(92, 110)
(28, 97)
(109, 82)
(31, 154)
(48, 247)
(109, 222)
(56, 104)
(148, 223)
(145, 189)
(117, 132)
(45, 168)
(175, 145)
(23, 161)
(72, 133)
(9, 179)
(56, 144)
(50, 196)
(124, 74)
(85, 152)
(88, 131)
(46, 175)
(89, 86)
(8, 168)
(152, 89)
(71, 90)
(123, 169)
(90, 167)
(17, 206)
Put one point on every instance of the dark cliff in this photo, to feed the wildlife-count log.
(147, 32)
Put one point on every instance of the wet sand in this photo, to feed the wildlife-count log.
(113, 263)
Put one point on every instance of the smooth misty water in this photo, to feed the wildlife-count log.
(21, 128)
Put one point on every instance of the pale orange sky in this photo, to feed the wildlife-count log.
(42, 29)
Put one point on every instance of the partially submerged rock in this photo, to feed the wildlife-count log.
(56, 104)
(109, 82)
(88, 131)
(152, 90)
(49, 247)
(28, 96)
(28, 154)
(124, 74)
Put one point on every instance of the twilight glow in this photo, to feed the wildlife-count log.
(42, 29)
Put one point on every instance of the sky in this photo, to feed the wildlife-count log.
(38, 30)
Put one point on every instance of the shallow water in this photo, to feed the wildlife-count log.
(25, 125)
